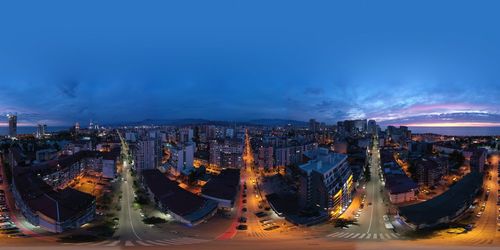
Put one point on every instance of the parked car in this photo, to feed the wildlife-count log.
(260, 214)
(242, 227)
(271, 228)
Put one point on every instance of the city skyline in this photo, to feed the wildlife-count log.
(226, 124)
(345, 61)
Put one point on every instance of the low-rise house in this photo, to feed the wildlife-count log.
(444, 208)
(223, 188)
(182, 205)
(53, 210)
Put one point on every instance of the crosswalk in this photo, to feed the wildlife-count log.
(141, 243)
(254, 234)
(364, 236)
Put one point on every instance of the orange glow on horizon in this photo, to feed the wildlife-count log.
(454, 124)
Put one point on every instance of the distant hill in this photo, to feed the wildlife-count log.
(277, 122)
(159, 122)
(182, 122)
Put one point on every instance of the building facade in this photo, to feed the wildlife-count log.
(326, 182)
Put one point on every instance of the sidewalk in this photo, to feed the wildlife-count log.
(355, 204)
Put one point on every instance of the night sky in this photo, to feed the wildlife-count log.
(393, 61)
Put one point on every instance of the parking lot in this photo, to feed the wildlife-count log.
(7, 227)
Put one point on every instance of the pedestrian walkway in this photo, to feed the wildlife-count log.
(141, 243)
(258, 234)
(364, 236)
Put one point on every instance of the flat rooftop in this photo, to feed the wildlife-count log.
(445, 205)
(322, 160)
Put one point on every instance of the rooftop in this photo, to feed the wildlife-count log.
(58, 205)
(322, 160)
(223, 186)
(177, 200)
(446, 204)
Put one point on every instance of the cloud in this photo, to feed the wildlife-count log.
(461, 118)
(314, 91)
(69, 88)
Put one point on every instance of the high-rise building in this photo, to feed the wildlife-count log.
(226, 154)
(12, 125)
(313, 125)
(266, 157)
(77, 127)
(478, 159)
(41, 130)
(185, 135)
(372, 127)
(229, 133)
(145, 155)
(360, 125)
(181, 157)
(326, 182)
(428, 172)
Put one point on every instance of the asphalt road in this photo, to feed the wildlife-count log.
(371, 224)
(485, 231)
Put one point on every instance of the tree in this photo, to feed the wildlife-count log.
(367, 174)
(412, 169)
(457, 158)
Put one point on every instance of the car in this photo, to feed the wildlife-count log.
(271, 228)
(267, 208)
(244, 196)
(242, 227)
(260, 214)
(479, 214)
(369, 203)
(244, 200)
(11, 231)
(9, 226)
(18, 235)
(268, 224)
(458, 230)
(265, 221)
(242, 219)
(244, 209)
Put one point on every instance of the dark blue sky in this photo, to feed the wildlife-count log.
(395, 61)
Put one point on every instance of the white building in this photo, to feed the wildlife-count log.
(185, 135)
(230, 132)
(145, 155)
(131, 136)
(181, 157)
(372, 127)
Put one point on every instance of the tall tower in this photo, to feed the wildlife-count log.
(77, 127)
(12, 124)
